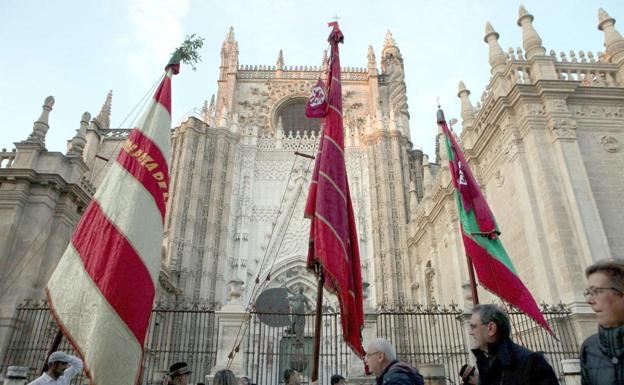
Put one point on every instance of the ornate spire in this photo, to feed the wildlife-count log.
(467, 110)
(372, 61)
(229, 54)
(413, 202)
(325, 64)
(613, 39)
(390, 48)
(40, 127)
(103, 118)
(79, 140)
(531, 41)
(229, 38)
(280, 60)
(389, 40)
(212, 107)
(497, 57)
(427, 178)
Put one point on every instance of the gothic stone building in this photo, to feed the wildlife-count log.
(545, 142)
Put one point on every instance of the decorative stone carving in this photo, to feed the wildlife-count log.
(564, 128)
(499, 177)
(556, 105)
(532, 109)
(392, 68)
(610, 144)
(607, 112)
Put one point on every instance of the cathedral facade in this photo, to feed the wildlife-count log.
(545, 143)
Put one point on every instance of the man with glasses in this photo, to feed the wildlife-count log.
(500, 361)
(382, 360)
(602, 355)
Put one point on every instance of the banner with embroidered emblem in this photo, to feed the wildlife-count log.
(317, 103)
(333, 236)
(480, 234)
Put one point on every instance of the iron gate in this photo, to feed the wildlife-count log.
(177, 332)
(269, 350)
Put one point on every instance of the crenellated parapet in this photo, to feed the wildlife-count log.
(296, 72)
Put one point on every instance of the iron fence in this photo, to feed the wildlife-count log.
(435, 335)
(276, 342)
(177, 332)
(424, 335)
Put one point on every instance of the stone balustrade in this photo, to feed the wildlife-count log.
(7, 158)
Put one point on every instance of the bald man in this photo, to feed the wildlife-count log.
(382, 360)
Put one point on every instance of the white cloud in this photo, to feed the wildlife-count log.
(156, 29)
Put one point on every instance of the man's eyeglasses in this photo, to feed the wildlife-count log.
(594, 291)
(371, 353)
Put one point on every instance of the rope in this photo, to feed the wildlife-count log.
(244, 326)
(142, 102)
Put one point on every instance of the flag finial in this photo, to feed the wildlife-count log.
(440, 113)
(336, 34)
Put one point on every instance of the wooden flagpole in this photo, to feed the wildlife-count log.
(54, 347)
(317, 327)
(473, 282)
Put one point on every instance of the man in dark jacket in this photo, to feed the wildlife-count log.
(382, 360)
(500, 361)
(602, 355)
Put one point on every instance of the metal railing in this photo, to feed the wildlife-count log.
(270, 350)
(189, 332)
(177, 332)
(425, 335)
(435, 335)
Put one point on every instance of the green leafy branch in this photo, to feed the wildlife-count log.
(188, 53)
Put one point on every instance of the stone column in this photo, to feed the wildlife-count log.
(16, 375)
(571, 371)
(583, 321)
(356, 367)
(464, 319)
(230, 319)
(8, 325)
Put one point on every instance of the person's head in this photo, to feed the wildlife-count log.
(179, 373)
(225, 377)
(244, 380)
(468, 375)
(379, 354)
(292, 377)
(488, 324)
(337, 379)
(605, 291)
(57, 363)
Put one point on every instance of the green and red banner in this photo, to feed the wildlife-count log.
(480, 234)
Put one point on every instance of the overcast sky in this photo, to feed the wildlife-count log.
(79, 50)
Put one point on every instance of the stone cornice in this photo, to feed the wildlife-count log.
(372, 138)
(43, 179)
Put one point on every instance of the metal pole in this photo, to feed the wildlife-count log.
(317, 328)
(473, 282)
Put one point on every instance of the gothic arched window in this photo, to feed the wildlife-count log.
(291, 115)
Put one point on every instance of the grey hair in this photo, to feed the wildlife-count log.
(225, 377)
(612, 268)
(492, 313)
(383, 345)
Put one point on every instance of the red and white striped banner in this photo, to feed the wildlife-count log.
(102, 291)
